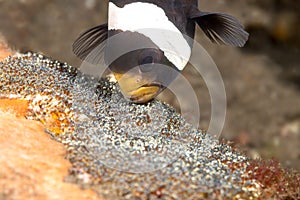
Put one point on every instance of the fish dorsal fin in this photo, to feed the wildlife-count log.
(220, 28)
(89, 40)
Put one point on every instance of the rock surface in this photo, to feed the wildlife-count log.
(121, 149)
(32, 163)
(110, 138)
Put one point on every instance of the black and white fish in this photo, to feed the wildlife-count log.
(162, 28)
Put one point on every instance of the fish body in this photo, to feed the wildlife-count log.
(163, 32)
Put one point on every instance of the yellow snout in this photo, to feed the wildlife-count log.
(136, 88)
(143, 94)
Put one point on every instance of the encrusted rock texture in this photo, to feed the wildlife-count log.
(113, 149)
(32, 163)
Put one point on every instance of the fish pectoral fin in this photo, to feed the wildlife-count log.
(89, 40)
(221, 28)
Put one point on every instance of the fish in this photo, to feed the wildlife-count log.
(162, 32)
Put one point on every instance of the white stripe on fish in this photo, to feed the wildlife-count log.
(151, 21)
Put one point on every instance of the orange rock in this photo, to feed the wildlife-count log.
(15, 106)
(32, 164)
(4, 49)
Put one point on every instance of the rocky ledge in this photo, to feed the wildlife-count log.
(118, 149)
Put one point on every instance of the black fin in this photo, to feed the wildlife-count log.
(221, 28)
(89, 40)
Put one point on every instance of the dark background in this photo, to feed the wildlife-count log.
(262, 79)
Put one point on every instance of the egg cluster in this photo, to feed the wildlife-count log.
(120, 149)
(45, 83)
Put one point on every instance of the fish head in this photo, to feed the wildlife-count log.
(143, 74)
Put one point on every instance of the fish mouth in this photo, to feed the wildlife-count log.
(145, 93)
(140, 91)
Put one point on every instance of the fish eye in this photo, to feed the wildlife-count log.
(147, 59)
